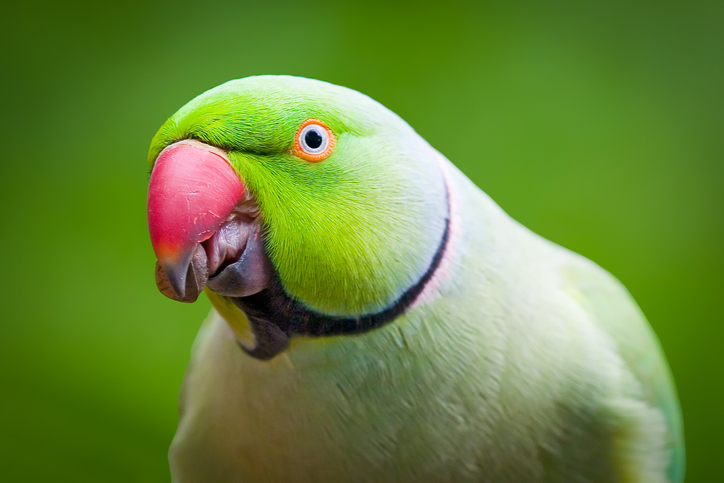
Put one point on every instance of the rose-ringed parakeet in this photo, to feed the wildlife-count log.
(377, 317)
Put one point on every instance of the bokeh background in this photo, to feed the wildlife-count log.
(599, 125)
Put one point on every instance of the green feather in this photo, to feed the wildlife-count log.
(519, 362)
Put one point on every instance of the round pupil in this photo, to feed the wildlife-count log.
(313, 139)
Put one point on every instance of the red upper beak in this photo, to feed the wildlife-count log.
(193, 190)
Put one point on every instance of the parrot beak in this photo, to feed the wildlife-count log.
(192, 192)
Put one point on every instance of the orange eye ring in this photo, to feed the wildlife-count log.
(314, 141)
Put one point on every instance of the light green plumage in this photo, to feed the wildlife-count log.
(523, 362)
(332, 229)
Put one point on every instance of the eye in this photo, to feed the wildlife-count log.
(314, 141)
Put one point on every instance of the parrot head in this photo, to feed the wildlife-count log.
(310, 207)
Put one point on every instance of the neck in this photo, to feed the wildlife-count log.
(275, 316)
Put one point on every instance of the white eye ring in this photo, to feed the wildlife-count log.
(312, 135)
(314, 141)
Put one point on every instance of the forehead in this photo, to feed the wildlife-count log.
(262, 114)
(274, 99)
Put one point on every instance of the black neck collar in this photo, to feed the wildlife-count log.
(275, 316)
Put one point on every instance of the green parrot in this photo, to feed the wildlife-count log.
(377, 317)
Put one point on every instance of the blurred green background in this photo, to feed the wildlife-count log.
(599, 125)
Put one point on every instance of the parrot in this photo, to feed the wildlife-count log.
(377, 317)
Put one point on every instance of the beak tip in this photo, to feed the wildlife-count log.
(177, 277)
(183, 279)
(171, 279)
